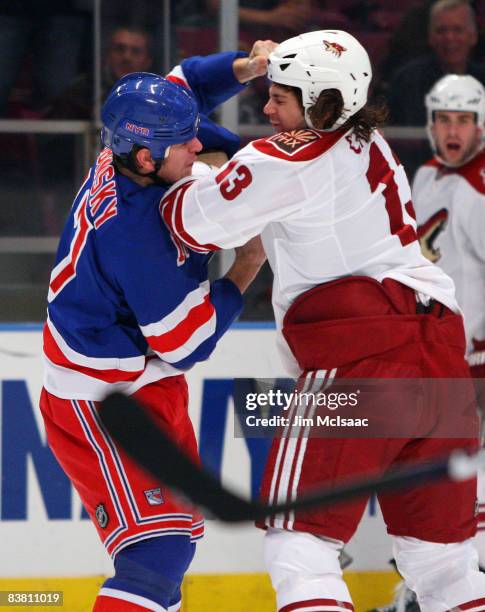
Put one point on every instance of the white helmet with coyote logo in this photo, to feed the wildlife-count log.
(326, 59)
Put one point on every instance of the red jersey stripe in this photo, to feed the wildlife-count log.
(55, 355)
(175, 338)
(480, 603)
(312, 603)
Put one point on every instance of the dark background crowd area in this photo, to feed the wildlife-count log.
(47, 73)
(46, 46)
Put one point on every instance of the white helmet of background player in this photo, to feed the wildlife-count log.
(326, 59)
(455, 92)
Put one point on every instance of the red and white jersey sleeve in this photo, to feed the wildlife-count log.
(450, 209)
(327, 206)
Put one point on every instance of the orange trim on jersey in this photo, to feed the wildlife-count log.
(299, 145)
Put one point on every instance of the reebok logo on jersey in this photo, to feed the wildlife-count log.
(292, 142)
(154, 497)
(334, 48)
(101, 516)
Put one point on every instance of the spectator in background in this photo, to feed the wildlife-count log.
(452, 36)
(275, 19)
(288, 15)
(129, 50)
(51, 32)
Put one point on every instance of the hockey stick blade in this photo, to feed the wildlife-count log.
(152, 449)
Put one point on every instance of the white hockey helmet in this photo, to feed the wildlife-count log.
(455, 92)
(325, 59)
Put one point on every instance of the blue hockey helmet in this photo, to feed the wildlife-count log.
(148, 110)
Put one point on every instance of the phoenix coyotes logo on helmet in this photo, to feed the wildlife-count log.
(334, 48)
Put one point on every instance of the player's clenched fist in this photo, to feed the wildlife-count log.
(255, 65)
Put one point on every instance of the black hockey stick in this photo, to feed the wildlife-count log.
(153, 450)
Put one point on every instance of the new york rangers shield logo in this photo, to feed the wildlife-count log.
(154, 497)
(334, 48)
(101, 515)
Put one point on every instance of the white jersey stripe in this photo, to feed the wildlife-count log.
(178, 314)
(329, 608)
(283, 442)
(126, 364)
(201, 334)
(320, 384)
(136, 599)
(292, 443)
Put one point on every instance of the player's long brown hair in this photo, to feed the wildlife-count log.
(329, 106)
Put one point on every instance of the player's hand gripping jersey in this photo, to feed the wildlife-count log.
(103, 328)
(328, 206)
(450, 205)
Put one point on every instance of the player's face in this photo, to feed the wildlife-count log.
(283, 110)
(128, 52)
(180, 160)
(456, 135)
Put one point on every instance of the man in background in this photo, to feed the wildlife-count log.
(452, 37)
(129, 49)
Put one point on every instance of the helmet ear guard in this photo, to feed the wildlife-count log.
(456, 93)
(325, 59)
(148, 110)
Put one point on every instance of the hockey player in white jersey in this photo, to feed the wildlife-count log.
(449, 197)
(353, 297)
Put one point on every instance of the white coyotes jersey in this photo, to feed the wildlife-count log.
(450, 208)
(327, 205)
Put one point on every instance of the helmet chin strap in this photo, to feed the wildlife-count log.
(130, 164)
(154, 173)
(158, 164)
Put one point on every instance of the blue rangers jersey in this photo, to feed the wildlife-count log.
(128, 304)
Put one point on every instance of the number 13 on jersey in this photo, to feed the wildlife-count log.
(233, 179)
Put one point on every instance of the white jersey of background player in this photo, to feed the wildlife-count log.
(449, 198)
(330, 205)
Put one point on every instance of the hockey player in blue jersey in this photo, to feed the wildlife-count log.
(129, 309)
